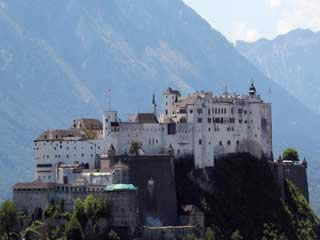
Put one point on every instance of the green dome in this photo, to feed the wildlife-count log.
(118, 187)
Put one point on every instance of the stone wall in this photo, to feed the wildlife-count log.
(297, 174)
(161, 233)
(124, 203)
(154, 177)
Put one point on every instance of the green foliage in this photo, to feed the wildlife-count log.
(209, 234)
(236, 235)
(8, 218)
(270, 232)
(90, 206)
(73, 229)
(79, 212)
(113, 236)
(190, 237)
(134, 147)
(244, 196)
(290, 154)
(299, 213)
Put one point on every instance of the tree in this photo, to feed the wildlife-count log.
(73, 229)
(209, 234)
(270, 232)
(290, 154)
(113, 236)
(79, 212)
(236, 235)
(8, 218)
(90, 206)
(134, 148)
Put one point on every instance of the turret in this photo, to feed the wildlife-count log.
(252, 90)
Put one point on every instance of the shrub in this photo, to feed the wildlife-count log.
(290, 154)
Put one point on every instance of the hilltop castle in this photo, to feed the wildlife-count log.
(201, 124)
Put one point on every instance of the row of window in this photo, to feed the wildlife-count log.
(59, 156)
(220, 142)
(223, 120)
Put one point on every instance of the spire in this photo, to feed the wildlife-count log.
(154, 105)
(154, 100)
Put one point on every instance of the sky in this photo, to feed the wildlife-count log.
(250, 20)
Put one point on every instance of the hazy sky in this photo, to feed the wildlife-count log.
(252, 19)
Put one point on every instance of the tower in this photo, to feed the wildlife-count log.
(170, 97)
(252, 90)
(109, 117)
(154, 105)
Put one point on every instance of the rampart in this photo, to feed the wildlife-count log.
(294, 172)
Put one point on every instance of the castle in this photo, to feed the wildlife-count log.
(131, 164)
(201, 124)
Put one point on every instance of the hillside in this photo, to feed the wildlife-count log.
(240, 194)
(58, 60)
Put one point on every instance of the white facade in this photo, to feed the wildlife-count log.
(201, 124)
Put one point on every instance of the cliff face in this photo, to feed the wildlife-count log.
(241, 193)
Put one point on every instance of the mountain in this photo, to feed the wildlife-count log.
(291, 60)
(58, 60)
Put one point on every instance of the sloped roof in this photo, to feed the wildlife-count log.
(119, 187)
(188, 100)
(90, 123)
(146, 118)
(38, 184)
(61, 134)
(171, 91)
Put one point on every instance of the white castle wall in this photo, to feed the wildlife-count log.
(246, 127)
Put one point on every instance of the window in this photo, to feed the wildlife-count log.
(200, 141)
(67, 156)
(209, 129)
(231, 110)
(221, 120)
(82, 155)
(240, 120)
(225, 111)
(191, 111)
(209, 111)
(166, 112)
(199, 120)
(245, 111)
(220, 143)
(199, 110)
(238, 142)
(229, 142)
(215, 111)
(209, 120)
(218, 110)
(240, 110)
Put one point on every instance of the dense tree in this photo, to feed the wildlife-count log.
(73, 229)
(209, 234)
(90, 206)
(8, 218)
(236, 235)
(79, 212)
(290, 154)
(113, 236)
